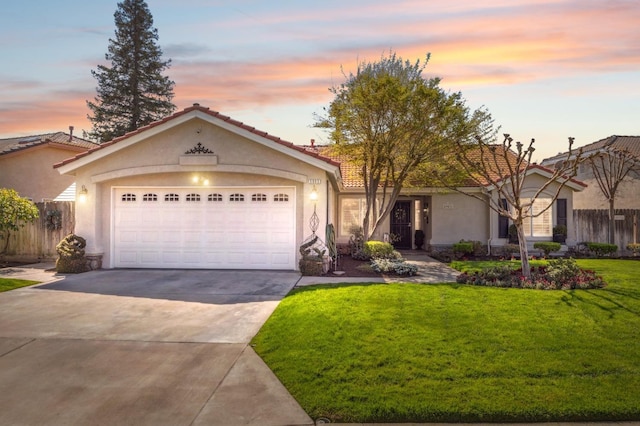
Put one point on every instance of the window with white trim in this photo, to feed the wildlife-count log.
(352, 211)
(214, 197)
(128, 197)
(193, 197)
(150, 197)
(172, 197)
(542, 225)
(236, 197)
(259, 197)
(281, 198)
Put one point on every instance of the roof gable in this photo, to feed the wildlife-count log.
(58, 139)
(190, 113)
(626, 143)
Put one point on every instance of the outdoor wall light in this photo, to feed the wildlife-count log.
(199, 180)
(314, 194)
(83, 194)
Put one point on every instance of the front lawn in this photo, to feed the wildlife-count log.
(461, 353)
(7, 284)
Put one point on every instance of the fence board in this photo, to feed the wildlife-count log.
(36, 240)
(593, 226)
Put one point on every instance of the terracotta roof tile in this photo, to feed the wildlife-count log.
(9, 145)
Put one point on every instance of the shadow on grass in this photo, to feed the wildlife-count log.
(599, 299)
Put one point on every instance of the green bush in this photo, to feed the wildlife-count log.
(602, 249)
(378, 250)
(463, 247)
(547, 247)
(395, 266)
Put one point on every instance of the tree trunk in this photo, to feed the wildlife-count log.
(524, 252)
(612, 222)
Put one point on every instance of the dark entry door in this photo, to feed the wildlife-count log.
(401, 224)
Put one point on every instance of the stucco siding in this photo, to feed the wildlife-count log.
(455, 217)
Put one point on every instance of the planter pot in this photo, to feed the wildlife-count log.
(559, 238)
(311, 267)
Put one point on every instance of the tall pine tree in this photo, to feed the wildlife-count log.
(132, 92)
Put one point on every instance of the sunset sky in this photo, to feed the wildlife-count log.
(545, 69)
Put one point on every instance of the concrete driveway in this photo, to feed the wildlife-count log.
(142, 347)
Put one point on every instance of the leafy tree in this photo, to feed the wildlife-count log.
(504, 172)
(132, 92)
(15, 212)
(393, 123)
(610, 167)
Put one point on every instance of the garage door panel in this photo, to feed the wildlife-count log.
(170, 232)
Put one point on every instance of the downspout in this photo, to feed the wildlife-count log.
(490, 229)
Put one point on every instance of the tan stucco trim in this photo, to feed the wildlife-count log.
(227, 168)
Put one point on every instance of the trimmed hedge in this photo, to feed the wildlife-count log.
(378, 250)
(547, 247)
(602, 249)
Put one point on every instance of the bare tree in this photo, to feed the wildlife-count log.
(610, 167)
(503, 173)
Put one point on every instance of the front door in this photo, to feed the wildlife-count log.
(401, 225)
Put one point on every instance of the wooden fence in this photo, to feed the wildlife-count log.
(38, 240)
(593, 226)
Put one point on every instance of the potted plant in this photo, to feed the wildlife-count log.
(419, 238)
(560, 234)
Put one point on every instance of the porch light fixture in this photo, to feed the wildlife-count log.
(314, 194)
(83, 194)
(314, 221)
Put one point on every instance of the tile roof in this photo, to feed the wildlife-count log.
(351, 172)
(215, 114)
(9, 145)
(630, 143)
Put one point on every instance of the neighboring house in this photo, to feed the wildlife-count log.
(200, 190)
(628, 194)
(26, 165)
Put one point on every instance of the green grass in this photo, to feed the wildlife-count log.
(7, 284)
(457, 353)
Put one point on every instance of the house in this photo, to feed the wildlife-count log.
(627, 195)
(201, 190)
(26, 164)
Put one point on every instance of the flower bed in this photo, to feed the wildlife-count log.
(560, 274)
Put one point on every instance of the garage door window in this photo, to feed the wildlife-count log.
(172, 197)
(150, 197)
(193, 197)
(128, 197)
(214, 197)
(259, 197)
(281, 198)
(236, 197)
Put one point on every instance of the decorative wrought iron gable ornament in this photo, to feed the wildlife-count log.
(199, 149)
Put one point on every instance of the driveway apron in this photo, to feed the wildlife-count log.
(142, 347)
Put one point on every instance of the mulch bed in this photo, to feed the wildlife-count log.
(351, 267)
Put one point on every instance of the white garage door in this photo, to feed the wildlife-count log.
(206, 228)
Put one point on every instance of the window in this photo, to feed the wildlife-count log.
(193, 197)
(172, 197)
(236, 197)
(281, 198)
(542, 225)
(503, 221)
(352, 211)
(214, 197)
(128, 197)
(150, 197)
(258, 197)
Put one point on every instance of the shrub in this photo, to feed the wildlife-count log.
(462, 248)
(71, 255)
(601, 249)
(396, 266)
(633, 247)
(547, 247)
(378, 250)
